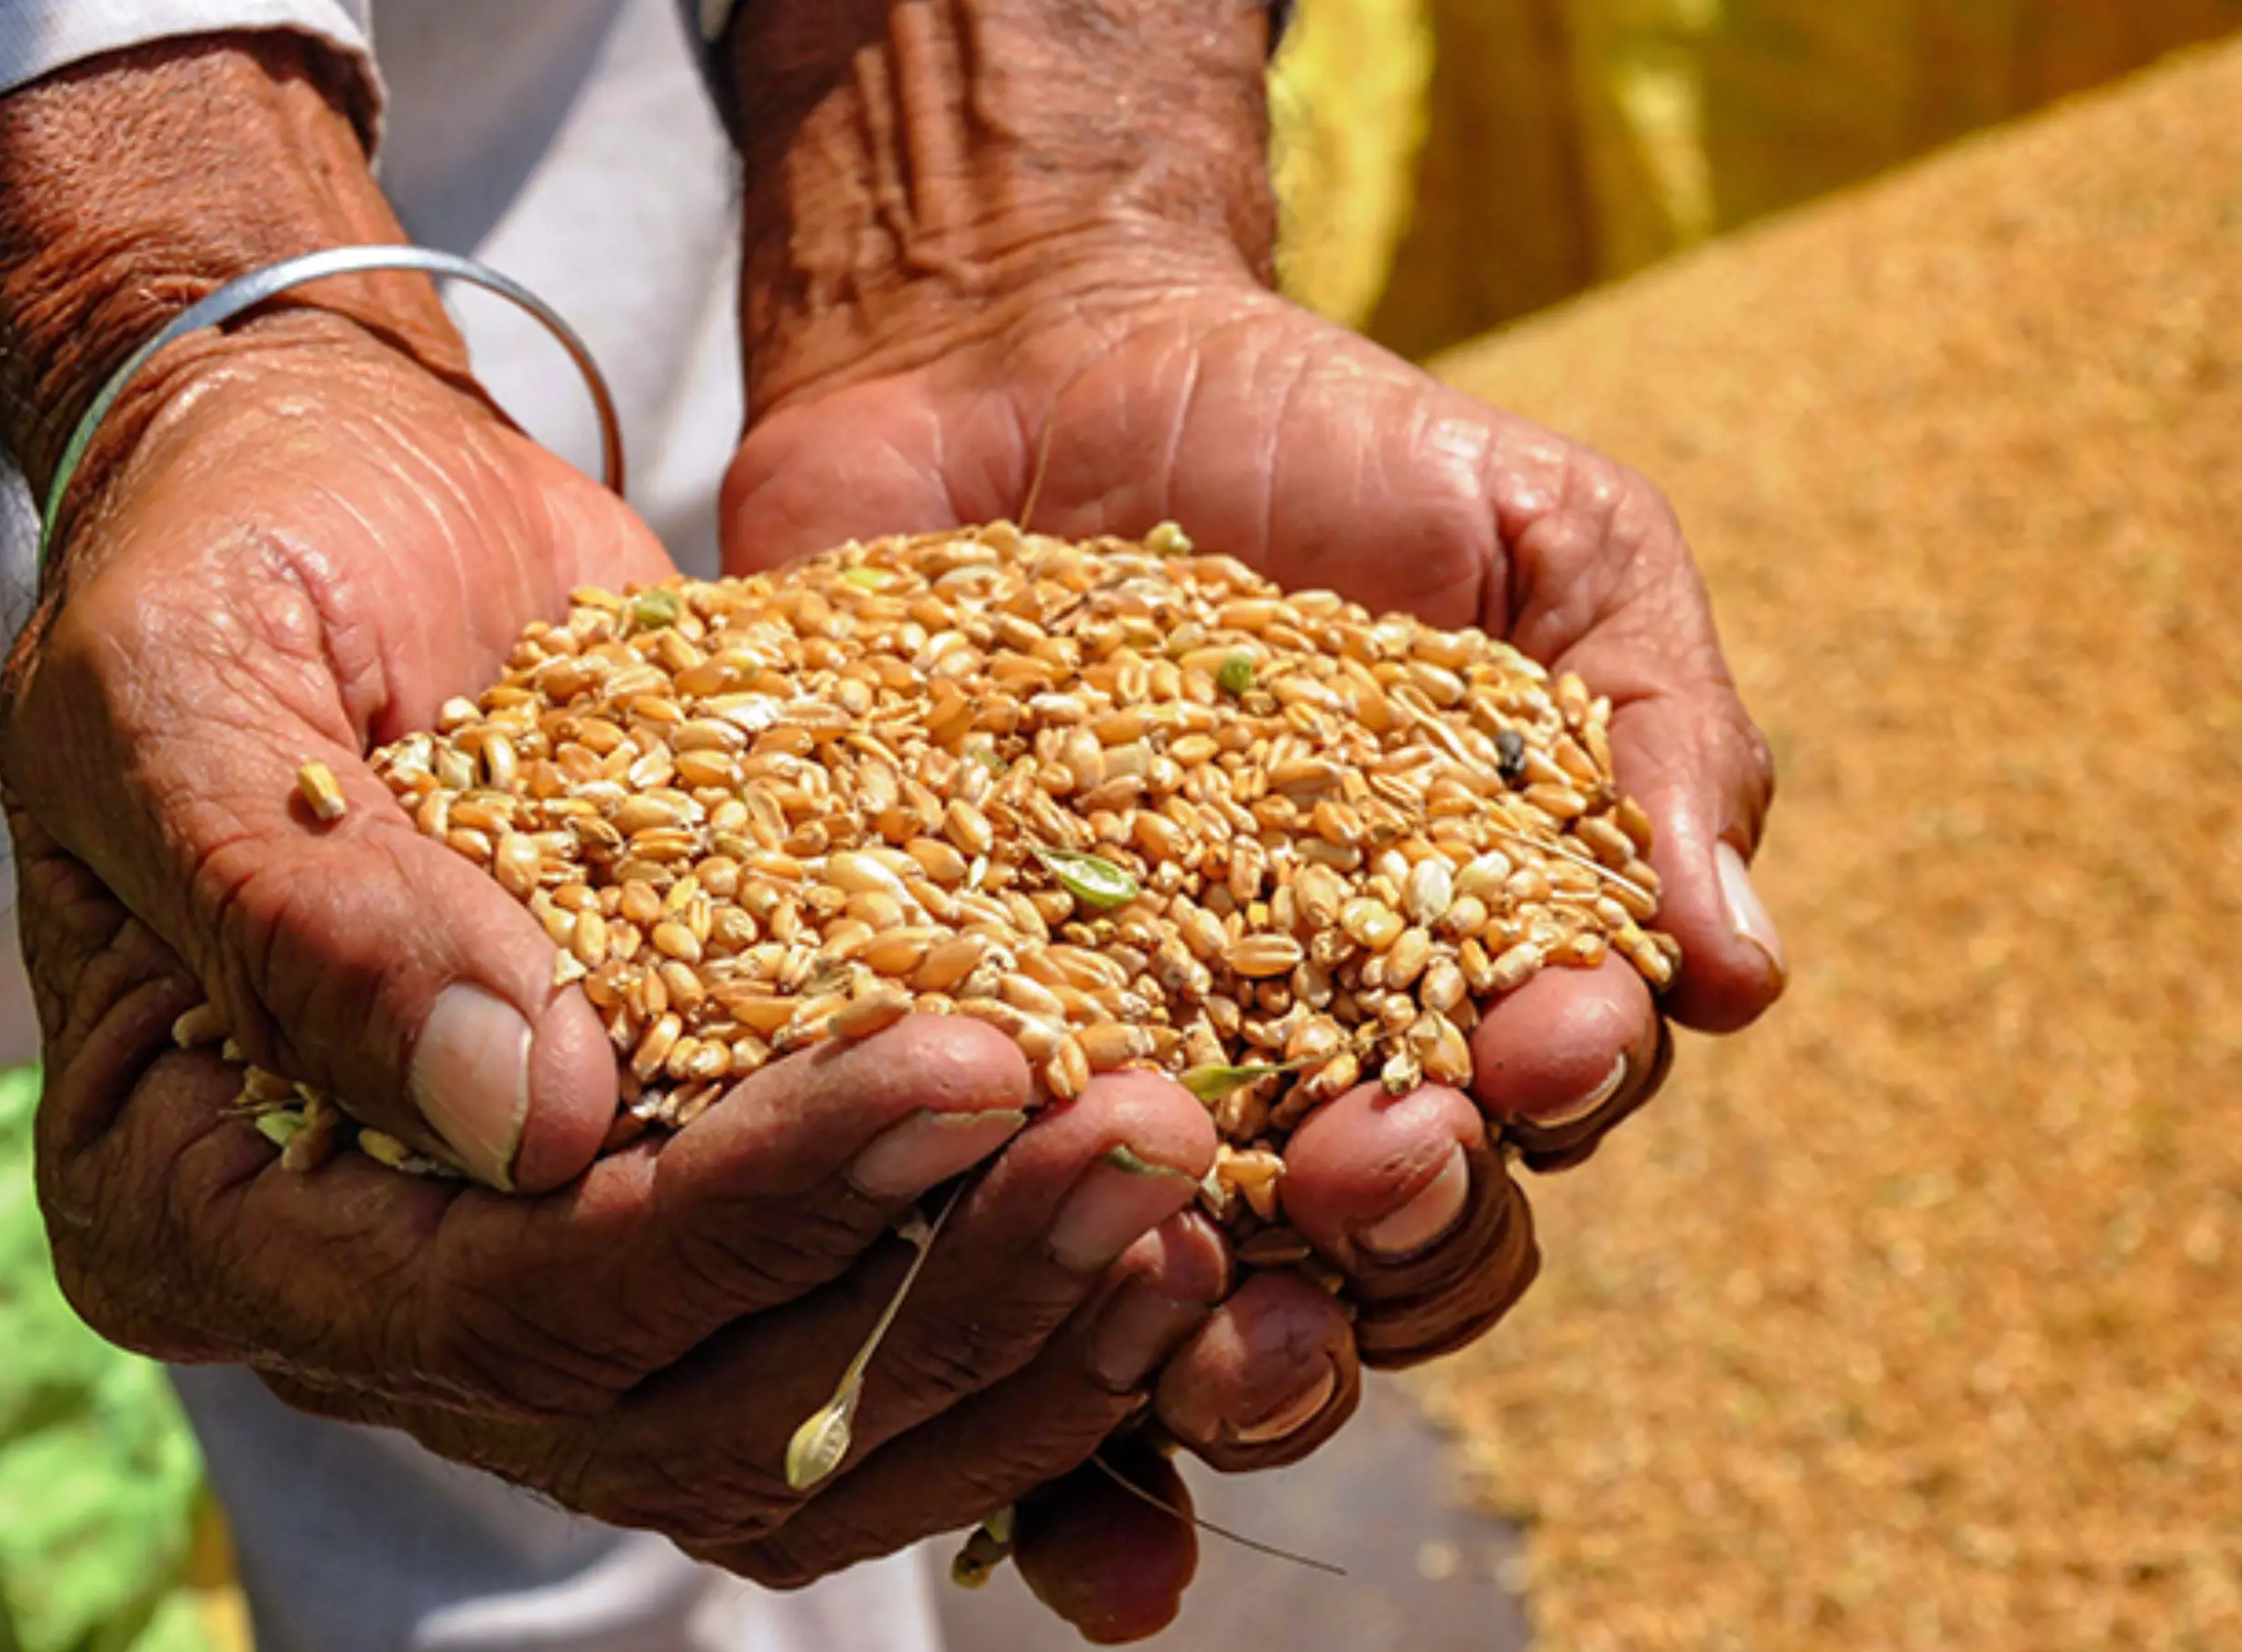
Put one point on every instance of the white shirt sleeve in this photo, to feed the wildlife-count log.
(39, 36)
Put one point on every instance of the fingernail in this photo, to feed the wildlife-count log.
(1109, 1208)
(1746, 915)
(1139, 1331)
(1291, 1416)
(927, 1147)
(1572, 1112)
(470, 1078)
(1428, 1216)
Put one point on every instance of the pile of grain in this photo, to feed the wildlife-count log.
(1131, 805)
(1914, 1319)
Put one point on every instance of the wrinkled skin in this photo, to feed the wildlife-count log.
(224, 621)
(316, 544)
(1137, 394)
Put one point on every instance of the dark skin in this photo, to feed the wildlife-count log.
(965, 253)
(978, 273)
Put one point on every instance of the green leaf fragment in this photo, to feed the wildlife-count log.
(1167, 539)
(1211, 1083)
(1135, 1164)
(1089, 879)
(652, 610)
(280, 1128)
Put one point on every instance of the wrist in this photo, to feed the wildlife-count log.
(920, 173)
(136, 184)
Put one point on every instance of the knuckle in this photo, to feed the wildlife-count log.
(982, 1472)
(477, 1337)
(713, 1496)
(495, 1354)
(130, 1288)
(967, 1352)
(1595, 486)
(749, 1255)
(786, 1559)
(1622, 520)
(1756, 761)
(234, 885)
(1636, 493)
(88, 1290)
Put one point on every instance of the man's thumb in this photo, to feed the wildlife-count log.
(392, 971)
(1694, 759)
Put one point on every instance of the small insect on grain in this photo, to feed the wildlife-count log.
(1127, 1159)
(1510, 752)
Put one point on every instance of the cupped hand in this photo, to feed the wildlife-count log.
(1124, 393)
(313, 543)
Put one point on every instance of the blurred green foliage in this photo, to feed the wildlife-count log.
(98, 1471)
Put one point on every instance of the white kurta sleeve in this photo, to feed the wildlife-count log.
(39, 36)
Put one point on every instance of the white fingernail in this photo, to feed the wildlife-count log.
(471, 1079)
(1294, 1415)
(1109, 1208)
(1572, 1112)
(1746, 915)
(1426, 1217)
(928, 1147)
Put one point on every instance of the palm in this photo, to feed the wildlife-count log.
(216, 636)
(1323, 461)
(1296, 445)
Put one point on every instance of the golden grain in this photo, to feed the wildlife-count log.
(1130, 805)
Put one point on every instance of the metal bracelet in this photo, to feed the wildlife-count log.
(237, 297)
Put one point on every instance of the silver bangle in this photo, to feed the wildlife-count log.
(235, 298)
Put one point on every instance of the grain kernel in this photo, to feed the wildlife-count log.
(1371, 924)
(321, 794)
(870, 1012)
(1260, 957)
(752, 814)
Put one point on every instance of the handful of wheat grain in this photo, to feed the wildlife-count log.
(1132, 805)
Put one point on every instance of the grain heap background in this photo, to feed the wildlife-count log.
(1914, 1318)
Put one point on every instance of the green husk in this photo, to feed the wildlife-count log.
(1211, 1083)
(1089, 878)
(652, 610)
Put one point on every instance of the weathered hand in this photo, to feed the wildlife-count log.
(315, 543)
(1147, 393)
